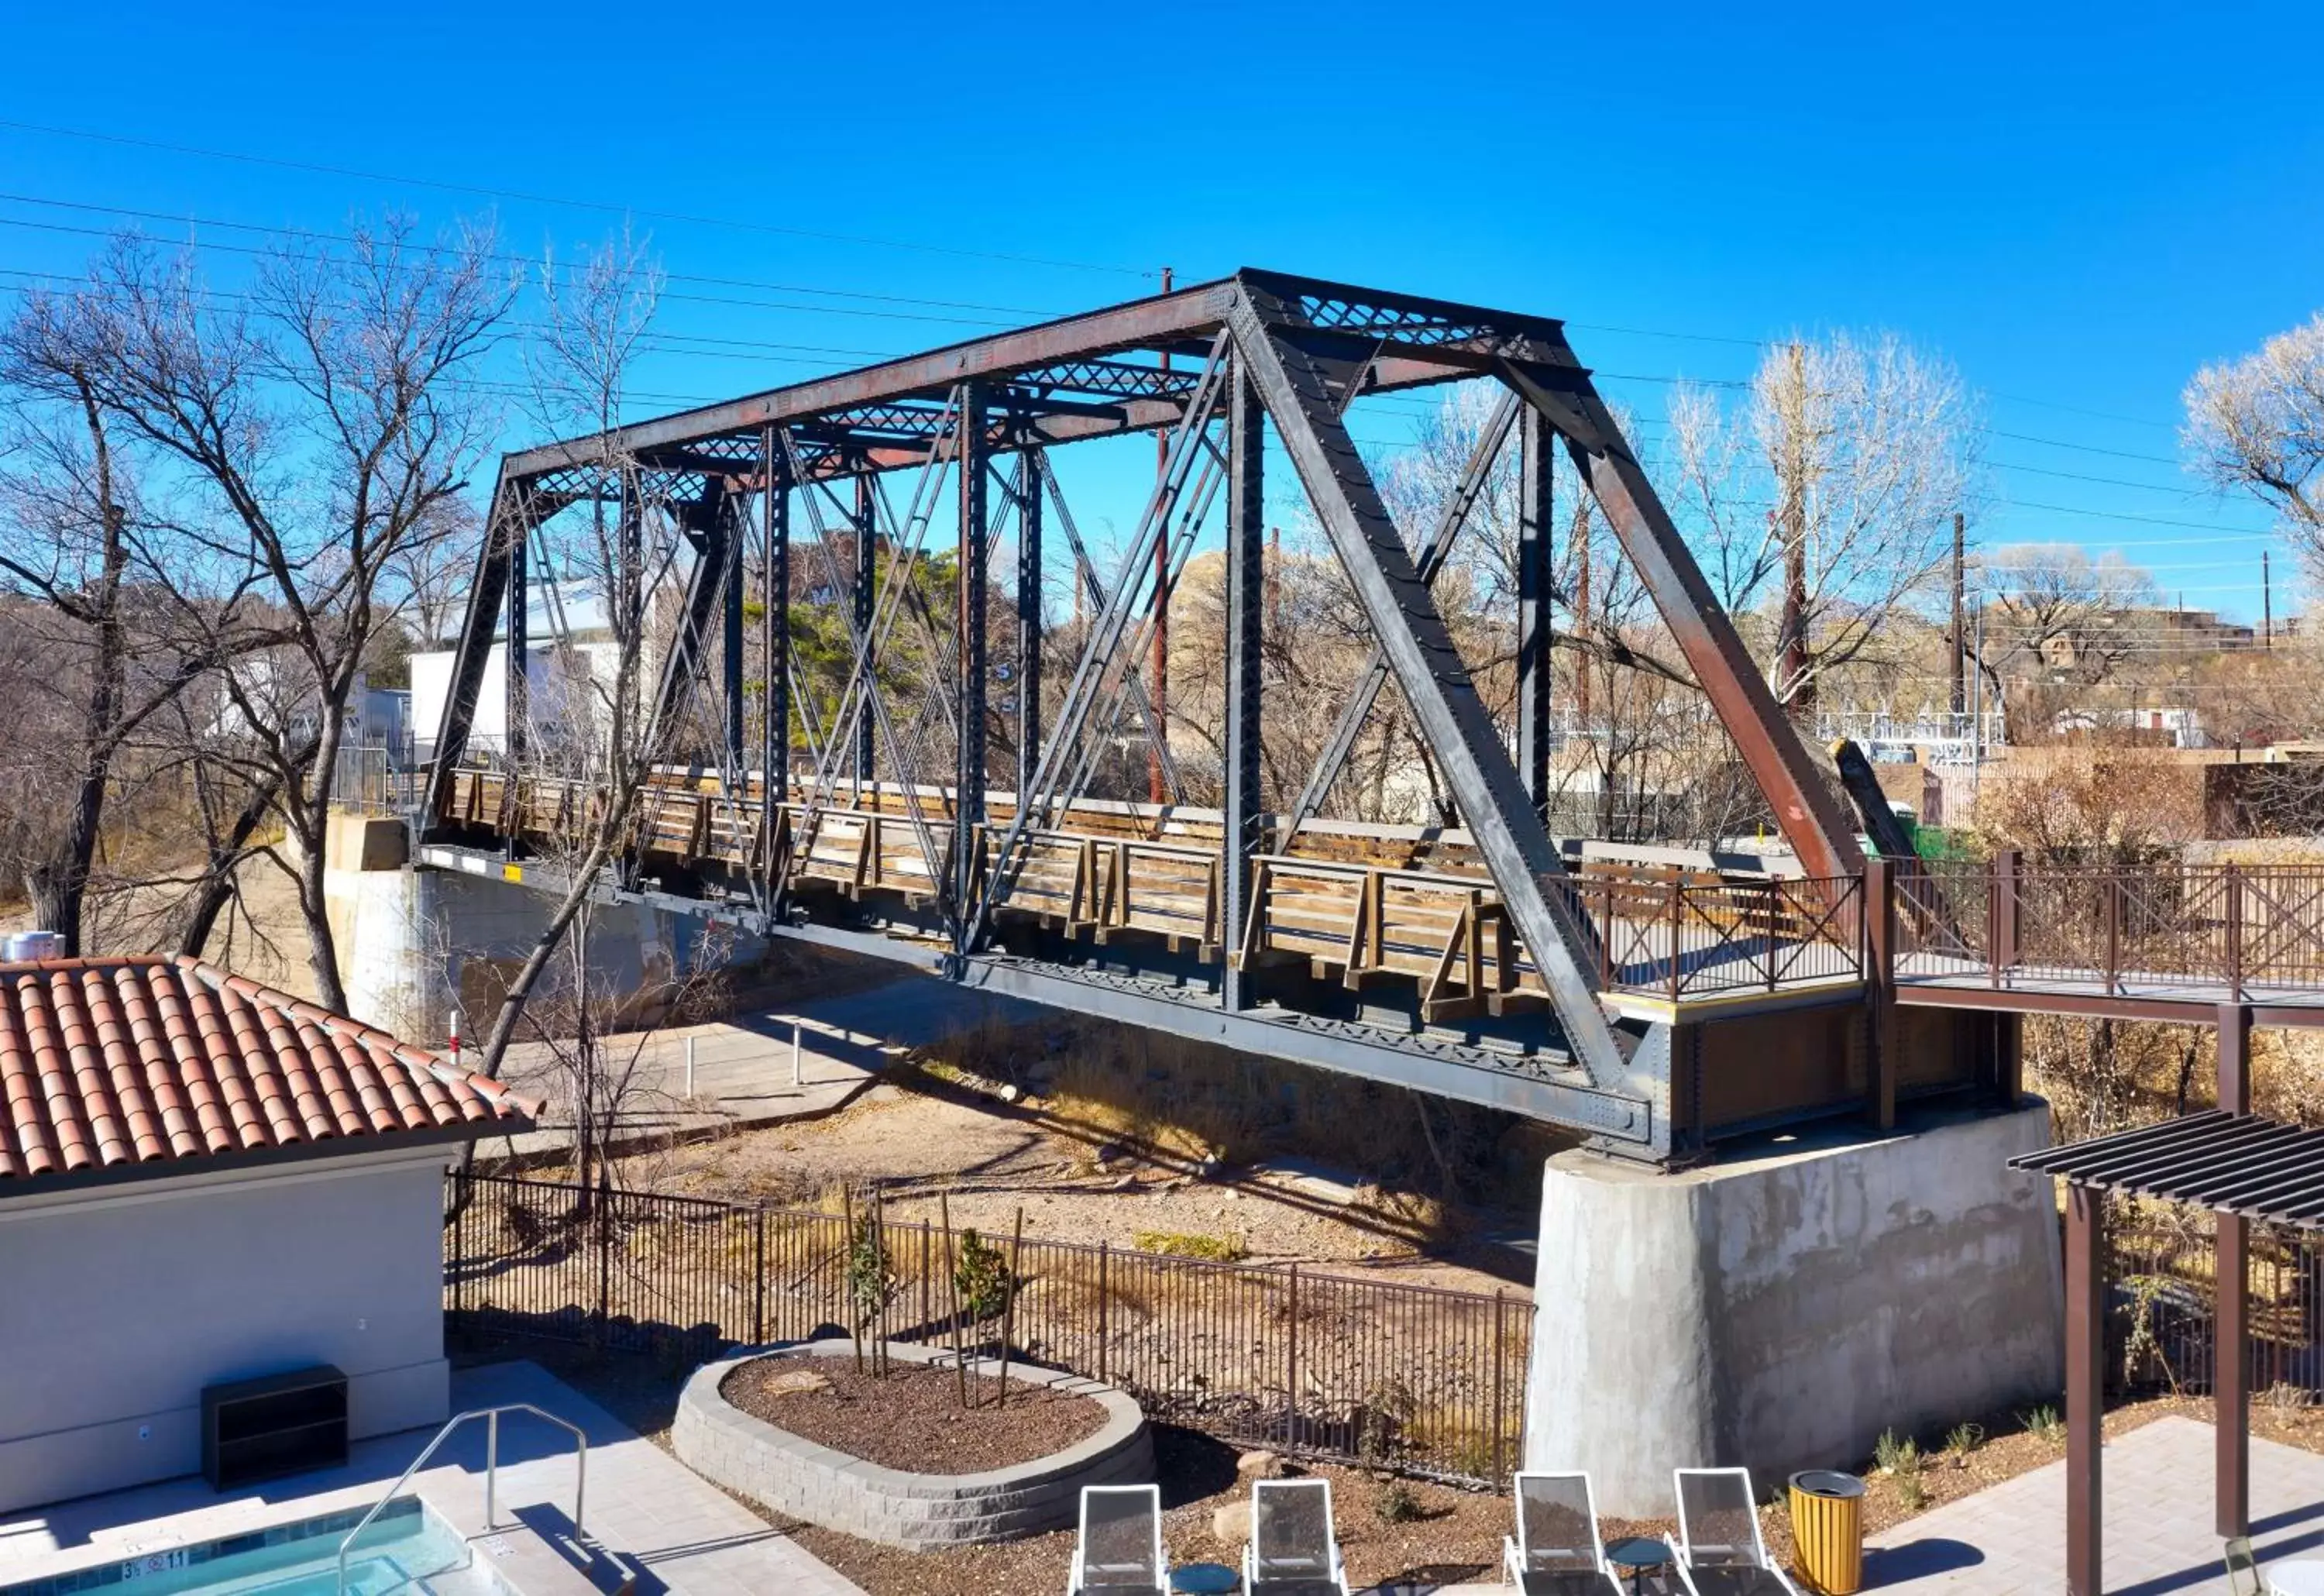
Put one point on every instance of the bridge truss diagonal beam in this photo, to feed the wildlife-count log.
(1428, 668)
(1811, 820)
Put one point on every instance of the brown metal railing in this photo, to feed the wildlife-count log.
(2121, 931)
(1424, 1380)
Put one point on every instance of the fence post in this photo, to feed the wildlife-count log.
(2001, 949)
(758, 1274)
(1606, 938)
(1677, 928)
(605, 1229)
(2112, 931)
(928, 1307)
(1291, 1386)
(2234, 913)
(1500, 1372)
(1768, 892)
(1104, 1308)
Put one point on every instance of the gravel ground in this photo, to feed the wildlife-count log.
(911, 1417)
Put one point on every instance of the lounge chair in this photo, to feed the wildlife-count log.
(1719, 1551)
(1293, 1551)
(1118, 1551)
(1556, 1551)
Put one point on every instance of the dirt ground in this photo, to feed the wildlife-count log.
(916, 1136)
(1424, 1532)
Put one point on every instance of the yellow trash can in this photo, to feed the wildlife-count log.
(1828, 1531)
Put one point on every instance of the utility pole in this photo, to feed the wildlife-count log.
(1156, 790)
(1960, 671)
(2266, 603)
(1800, 694)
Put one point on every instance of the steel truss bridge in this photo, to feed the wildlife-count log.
(1650, 1000)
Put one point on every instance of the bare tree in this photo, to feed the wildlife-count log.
(589, 723)
(2257, 423)
(95, 658)
(295, 443)
(1825, 502)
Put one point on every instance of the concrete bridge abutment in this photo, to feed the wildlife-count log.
(1782, 1306)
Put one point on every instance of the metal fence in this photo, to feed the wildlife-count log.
(1413, 1378)
(2164, 1270)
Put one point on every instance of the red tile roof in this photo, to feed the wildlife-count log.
(107, 1064)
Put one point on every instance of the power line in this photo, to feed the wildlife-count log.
(569, 202)
(526, 261)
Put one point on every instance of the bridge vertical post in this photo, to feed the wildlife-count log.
(975, 583)
(730, 680)
(774, 623)
(1029, 621)
(867, 581)
(1246, 820)
(1537, 444)
(516, 651)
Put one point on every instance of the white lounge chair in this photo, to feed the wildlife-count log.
(1118, 1551)
(1293, 1551)
(1718, 1550)
(1556, 1551)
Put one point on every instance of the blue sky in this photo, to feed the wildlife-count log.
(2078, 205)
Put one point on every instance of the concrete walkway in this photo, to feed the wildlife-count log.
(2010, 1540)
(742, 1075)
(683, 1534)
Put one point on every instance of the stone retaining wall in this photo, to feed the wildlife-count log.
(798, 1478)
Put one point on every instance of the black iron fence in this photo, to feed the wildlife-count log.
(1413, 1378)
(2164, 1270)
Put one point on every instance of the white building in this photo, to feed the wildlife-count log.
(250, 1188)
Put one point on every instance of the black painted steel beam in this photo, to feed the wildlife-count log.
(1246, 607)
(1508, 834)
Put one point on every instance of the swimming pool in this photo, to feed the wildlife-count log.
(407, 1550)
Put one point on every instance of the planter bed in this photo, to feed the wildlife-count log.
(800, 1478)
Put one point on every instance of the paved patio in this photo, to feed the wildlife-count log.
(2011, 1539)
(684, 1536)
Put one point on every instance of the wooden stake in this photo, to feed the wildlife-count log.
(951, 1287)
(1009, 1308)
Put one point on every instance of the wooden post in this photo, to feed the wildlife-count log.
(2085, 1384)
(2230, 1323)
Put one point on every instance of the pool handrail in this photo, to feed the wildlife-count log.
(492, 1416)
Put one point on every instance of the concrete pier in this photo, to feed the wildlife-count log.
(1782, 1306)
(415, 943)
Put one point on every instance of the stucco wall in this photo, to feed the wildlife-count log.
(1780, 1309)
(119, 1304)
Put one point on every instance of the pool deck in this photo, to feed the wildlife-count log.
(682, 1534)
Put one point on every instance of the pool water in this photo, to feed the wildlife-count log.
(407, 1551)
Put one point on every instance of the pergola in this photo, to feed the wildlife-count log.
(2243, 1167)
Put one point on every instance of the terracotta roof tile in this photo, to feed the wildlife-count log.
(111, 1063)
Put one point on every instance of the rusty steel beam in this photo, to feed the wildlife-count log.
(1811, 821)
(2085, 1385)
